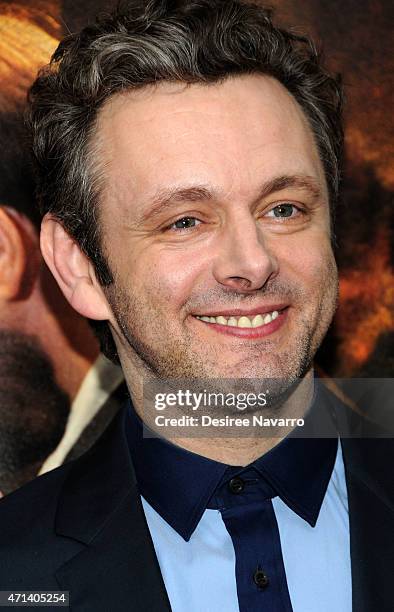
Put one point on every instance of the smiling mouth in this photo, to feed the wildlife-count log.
(244, 322)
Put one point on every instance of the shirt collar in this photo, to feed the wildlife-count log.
(178, 484)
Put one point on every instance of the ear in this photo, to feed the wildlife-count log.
(13, 254)
(73, 270)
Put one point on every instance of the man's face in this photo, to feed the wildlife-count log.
(215, 205)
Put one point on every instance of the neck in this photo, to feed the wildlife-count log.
(237, 450)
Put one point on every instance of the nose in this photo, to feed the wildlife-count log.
(244, 261)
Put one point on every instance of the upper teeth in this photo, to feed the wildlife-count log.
(257, 321)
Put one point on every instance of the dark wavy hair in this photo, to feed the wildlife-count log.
(141, 43)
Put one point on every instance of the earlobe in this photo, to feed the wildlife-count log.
(72, 270)
(13, 256)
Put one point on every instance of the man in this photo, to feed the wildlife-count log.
(188, 159)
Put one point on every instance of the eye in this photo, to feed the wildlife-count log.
(284, 211)
(185, 223)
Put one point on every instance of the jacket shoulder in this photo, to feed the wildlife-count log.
(29, 548)
(50, 520)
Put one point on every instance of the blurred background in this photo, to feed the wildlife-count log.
(36, 323)
(358, 43)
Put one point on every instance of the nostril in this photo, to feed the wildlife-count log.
(243, 282)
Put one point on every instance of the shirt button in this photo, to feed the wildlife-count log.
(260, 578)
(236, 485)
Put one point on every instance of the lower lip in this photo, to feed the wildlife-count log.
(249, 333)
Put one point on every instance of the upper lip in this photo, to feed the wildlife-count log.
(239, 312)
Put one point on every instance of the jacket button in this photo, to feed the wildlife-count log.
(236, 485)
(261, 579)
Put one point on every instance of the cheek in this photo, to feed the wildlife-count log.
(312, 261)
(168, 276)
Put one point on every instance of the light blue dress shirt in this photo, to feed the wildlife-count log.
(199, 574)
(273, 535)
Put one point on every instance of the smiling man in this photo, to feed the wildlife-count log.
(188, 165)
(214, 191)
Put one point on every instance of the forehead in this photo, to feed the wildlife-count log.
(231, 135)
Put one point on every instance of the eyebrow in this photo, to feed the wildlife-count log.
(167, 198)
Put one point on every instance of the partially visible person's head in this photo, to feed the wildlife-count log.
(33, 409)
(30, 301)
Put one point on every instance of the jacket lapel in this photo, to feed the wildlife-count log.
(100, 507)
(99, 423)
